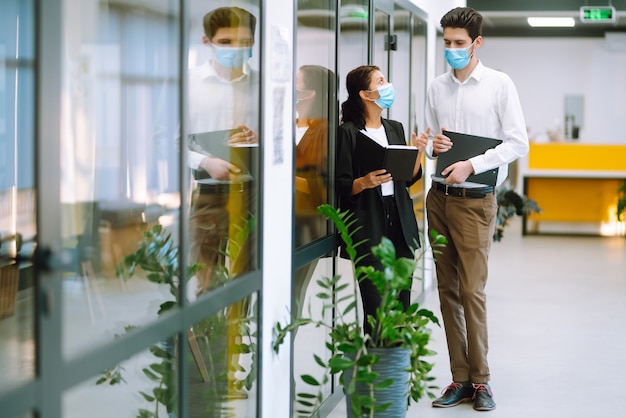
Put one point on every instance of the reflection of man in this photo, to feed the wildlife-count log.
(223, 95)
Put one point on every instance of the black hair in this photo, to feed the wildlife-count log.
(465, 18)
(353, 109)
(322, 80)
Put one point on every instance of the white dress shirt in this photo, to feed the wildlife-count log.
(217, 104)
(486, 104)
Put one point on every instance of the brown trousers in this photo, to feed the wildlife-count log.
(461, 266)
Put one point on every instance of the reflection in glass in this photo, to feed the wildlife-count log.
(223, 122)
(310, 341)
(119, 160)
(315, 88)
(222, 372)
(145, 385)
(400, 68)
(315, 115)
(17, 191)
(353, 39)
(381, 54)
(417, 66)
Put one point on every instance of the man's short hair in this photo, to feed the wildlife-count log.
(228, 17)
(466, 18)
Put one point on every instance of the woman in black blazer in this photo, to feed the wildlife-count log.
(381, 205)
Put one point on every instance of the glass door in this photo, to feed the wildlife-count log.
(105, 308)
(399, 49)
(18, 193)
(384, 40)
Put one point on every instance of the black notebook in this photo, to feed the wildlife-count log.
(399, 160)
(464, 147)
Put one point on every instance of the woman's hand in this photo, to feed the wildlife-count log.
(242, 135)
(376, 178)
(421, 140)
(370, 180)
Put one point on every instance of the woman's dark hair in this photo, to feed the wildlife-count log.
(227, 17)
(322, 80)
(353, 110)
(465, 18)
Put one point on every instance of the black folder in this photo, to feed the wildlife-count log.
(464, 147)
(216, 144)
(399, 160)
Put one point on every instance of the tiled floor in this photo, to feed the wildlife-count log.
(557, 323)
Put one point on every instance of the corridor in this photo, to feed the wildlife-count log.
(557, 324)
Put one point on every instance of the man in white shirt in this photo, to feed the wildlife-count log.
(223, 96)
(472, 99)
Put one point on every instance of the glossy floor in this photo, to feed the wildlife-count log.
(557, 324)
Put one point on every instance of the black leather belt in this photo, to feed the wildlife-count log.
(476, 193)
(222, 188)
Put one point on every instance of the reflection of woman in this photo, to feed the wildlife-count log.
(381, 205)
(314, 84)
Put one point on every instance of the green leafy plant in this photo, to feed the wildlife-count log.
(392, 326)
(510, 204)
(621, 201)
(158, 258)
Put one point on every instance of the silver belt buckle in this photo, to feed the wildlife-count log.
(447, 194)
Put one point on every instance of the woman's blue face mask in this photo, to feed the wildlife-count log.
(387, 96)
(458, 58)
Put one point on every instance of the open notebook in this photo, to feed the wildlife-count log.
(399, 160)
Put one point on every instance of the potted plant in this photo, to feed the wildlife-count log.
(362, 362)
(621, 201)
(510, 204)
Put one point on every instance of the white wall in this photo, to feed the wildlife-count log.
(546, 69)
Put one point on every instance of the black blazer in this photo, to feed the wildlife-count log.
(367, 206)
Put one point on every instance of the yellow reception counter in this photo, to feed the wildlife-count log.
(576, 187)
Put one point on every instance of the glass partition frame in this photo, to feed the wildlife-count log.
(56, 373)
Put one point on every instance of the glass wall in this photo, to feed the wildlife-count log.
(119, 162)
(157, 208)
(314, 128)
(353, 49)
(136, 137)
(18, 194)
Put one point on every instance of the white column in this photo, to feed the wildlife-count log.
(277, 198)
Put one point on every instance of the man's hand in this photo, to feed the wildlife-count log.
(458, 172)
(441, 144)
(219, 169)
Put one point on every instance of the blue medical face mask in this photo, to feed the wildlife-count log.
(458, 58)
(232, 57)
(387, 96)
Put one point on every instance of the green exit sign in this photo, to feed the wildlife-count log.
(597, 14)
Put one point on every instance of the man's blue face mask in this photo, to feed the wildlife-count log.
(232, 57)
(458, 58)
